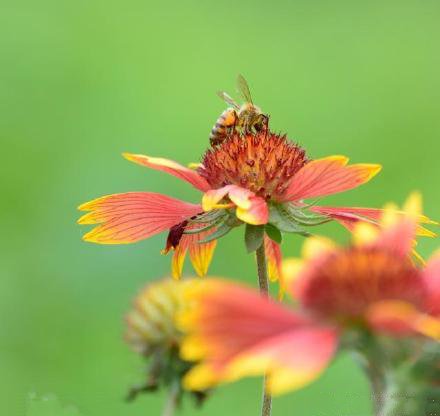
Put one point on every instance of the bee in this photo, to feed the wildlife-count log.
(247, 118)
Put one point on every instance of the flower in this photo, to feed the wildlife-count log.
(151, 324)
(256, 179)
(371, 286)
(152, 332)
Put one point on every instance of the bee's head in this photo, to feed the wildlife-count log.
(261, 122)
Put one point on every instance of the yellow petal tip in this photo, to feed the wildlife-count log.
(128, 156)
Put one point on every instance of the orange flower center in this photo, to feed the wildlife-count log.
(344, 284)
(264, 163)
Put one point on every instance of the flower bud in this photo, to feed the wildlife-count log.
(152, 332)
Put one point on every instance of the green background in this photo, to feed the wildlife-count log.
(83, 81)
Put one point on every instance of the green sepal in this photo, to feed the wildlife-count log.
(274, 233)
(207, 227)
(302, 217)
(253, 237)
(281, 218)
(221, 231)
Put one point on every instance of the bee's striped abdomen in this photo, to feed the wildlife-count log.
(222, 126)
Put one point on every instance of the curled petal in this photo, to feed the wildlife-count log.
(235, 332)
(250, 208)
(241, 197)
(328, 176)
(133, 216)
(171, 167)
(400, 318)
(256, 214)
(212, 197)
(431, 277)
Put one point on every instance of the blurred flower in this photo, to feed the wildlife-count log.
(371, 286)
(152, 332)
(256, 179)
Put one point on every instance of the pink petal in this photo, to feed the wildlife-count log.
(400, 237)
(133, 216)
(350, 215)
(237, 333)
(171, 167)
(328, 176)
(431, 277)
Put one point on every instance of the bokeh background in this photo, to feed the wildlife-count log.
(82, 81)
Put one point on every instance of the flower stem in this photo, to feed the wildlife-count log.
(172, 400)
(262, 270)
(266, 407)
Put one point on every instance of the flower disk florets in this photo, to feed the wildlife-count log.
(264, 163)
(344, 284)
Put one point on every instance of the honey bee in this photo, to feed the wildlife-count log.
(247, 118)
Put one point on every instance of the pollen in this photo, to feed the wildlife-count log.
(344, 284)
(264, 163)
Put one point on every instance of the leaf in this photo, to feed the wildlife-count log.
(253, 237)
(274, 233)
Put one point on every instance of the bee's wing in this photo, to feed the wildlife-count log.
(243, 88)
(226, 97)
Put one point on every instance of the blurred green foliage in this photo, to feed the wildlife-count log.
(48, 405)
(82, 81)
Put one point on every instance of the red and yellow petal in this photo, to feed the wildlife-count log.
(328, 176)
(201, 256)
(234, 332)
(256, 214)
(212, 198)
(171, 167)
(400, 318)
(133, 216)
(274, 259)
(431, 277)
(274, 264)
(178, 260)
(349, 217)
(241, 197)
(200, 253)
(250, 208)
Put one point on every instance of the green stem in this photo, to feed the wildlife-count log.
(266, 407)
(408, 396)
(172, 400)
(262, 270)
(403, 384)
